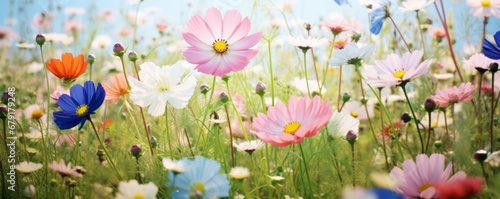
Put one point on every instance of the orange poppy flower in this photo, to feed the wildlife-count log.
(69, 68)
(116, 87)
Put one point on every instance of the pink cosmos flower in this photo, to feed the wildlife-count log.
(437, 32)
(283, 126)
(43, 21)
(478, 61)
(339, 25)
(395, 70)
(73, 25)
(125, 32)
(418, 180)
(54, 97)
(107, 15)
(161, 27)
(63, 169)
(219, 45)
(8, 33)
(450, 95)
(341, 43)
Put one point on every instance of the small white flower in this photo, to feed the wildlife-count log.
(484, 8)
(34, 67)
(306, 43)
(414, 5)
(357, 110)
(239, 172)
(28, 167)
(276, 178)
(494, 159)
(33, 111)
(300, 84)
(175, 166)
(249, 146)
(74, 11)
(101, 42)
(160, 85)
(25, 45)
(383, 180)
(443, 76)
(132, 189)
(341, 123)
(351, 53)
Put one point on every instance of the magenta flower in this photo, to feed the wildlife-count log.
(219, 45)
(395, 70)
(418, 180)
(283, 126)
(451, 95)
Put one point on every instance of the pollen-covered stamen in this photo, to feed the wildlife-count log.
(82, 110)
(139, 196)
(291, 127)
(486, 3)
(199, 187)
(354, 114)
(220, 45)
(399, 74)
(424, 187)
(37, 114)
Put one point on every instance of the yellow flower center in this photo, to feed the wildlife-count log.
(82, 110)
(163, 85)
(399, 74)
(424, 187)
(291, 128)
(37, 114)
(139, 196)
(354, 114)
(199, 186)
(486, 3)
(438, 32)
(434, 124)
(340, 42)
(220, 46)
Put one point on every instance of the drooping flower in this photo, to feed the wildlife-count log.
(341, 123)
(306, 43)
(339, 25)
(160, 85)
(300, 84)
(78, 107)
(351, 54)
(116, 87)
(28, 167)
(414, 5)
(459, 189)
(418, 180)
(396, 70)
(484, 8)
(357, 110)
(173, 165)
(378, 15)
(249, 146)
(491, 50)
(239, 173)
(219, 45)
(133, 190)
(464, 92)
(68, 68)
(201, 179)
(283, 126)
(340, 2)
(478, 62)
(63, 169)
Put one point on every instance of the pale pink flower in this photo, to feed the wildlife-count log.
(57, 93)
(337, 26)
(236, 127)
(283, 126)
(484, 8)
(125, 32)
(219, 45)
(396, 70)
(73, 25)
(63, 169)
(8, 33)
(341, 43)
(418, 180)
(107, 15)
(116, 87)
(161, 27)
(356, 27)
(478, 61)
(357, 110)
(437, 32)
(463, 93)
(43, 20)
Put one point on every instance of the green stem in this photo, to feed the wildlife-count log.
(383, 136)
(236, 111)
(135, 25)
(338, 93)
(233, 163)
(420, 30)
(90, 73)
(305, 166)
(45, 153)
(271, 70)
(48, 89)
(264, 108)
(327, 65)
(105, 151)
(305, 73)
(428, 133)
(206, 109)
(168, 134)
(77, 144)
(403, 86)
(479, 113)
(492, 111)
(353, 166)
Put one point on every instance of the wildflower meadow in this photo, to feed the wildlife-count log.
(352, 99)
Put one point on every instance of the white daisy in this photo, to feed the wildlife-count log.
(249, 146)
(351, 54)
(306, 43)
(33, 111)
(341, 123)
(484, 8)
(101, 42)
(28, 167)
(132, 189)
(414, 5)
(175, 166)
(160, 85)
(239, 173)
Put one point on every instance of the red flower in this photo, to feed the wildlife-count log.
(459, 189)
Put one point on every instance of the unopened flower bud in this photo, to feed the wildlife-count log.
(40, 39)
(154, 142)
(225, 78)
(91, 58)
(428, 21)
(3, 112)
(100, 152)
(438, 144)
(132, 56)
(223, 97)
(5, 97)
(346, 97)
(364, 101)
(118, 50)
(80, 170)
(136, 150)
(430, 104)
(481, 70)
(260, 89)
(204, 88)
(314, 93)
(308, 26)
(480, 155)
(356, 37)
(494, 67)
(406, 117)
(351, 137)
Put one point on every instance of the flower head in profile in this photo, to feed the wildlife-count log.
(357, 110)
(239, 173)
(219, 45)
(54, 96)
(396, 70)
(464, 92)
(306, 43)
(173, 165)
(68, 68)
(484, 8)
(201, 179)
(286, 125)
(78, 107)
(249, 146)
(378, 15)
(116, 87)
(351, 54)
(133, 190)
(160, 85)
(437, 32)
(418, 180)
(63, 169)
(491, 50)
(414, 5)
(478, 62)
(337, 26)
(28, 167)
(340, 123)
(301, 85)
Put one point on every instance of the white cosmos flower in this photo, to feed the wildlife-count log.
(341, 123)
(101, 42)
(443, 76)
(74, 11)
(33, 111)
(25, 45)
(357, 110)
(132, 189)
(160, 85)
(351, 53)
(414, 5)
(34, 67)
(306, 43)
(494, 159)
(276, 178)
(239, 173)
(300, 84)
(28, 167)
(484, 8)
(249, 146)
(175, 166)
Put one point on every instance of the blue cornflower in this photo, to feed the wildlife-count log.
(491, 50)
(378, 15)
(76, 109)
(385, 193)
(340, 2)
(200, 178)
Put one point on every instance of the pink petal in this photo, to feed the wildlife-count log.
(428, 193)
(246, 42)
(214, 21)
(199, 28)
(232, 19)
(197, 56)
(223, 68)
(209, 67)
(195, 42)
(240, 31)
(458, 176)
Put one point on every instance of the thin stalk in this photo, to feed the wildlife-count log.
(353, 166)
(485, 21)
(104, 119)
(105, 151)
(337, 166)
(366, 108)
(90, 73)
(446, 124)
(403, 38)
(492, 111)
(338, 93)
(135, 25)
(230, 136)
(236, 111)
(421, 32)
(264, 108)
(142, 111)
(189, 143)
(221, 151)
(479, 113)
(168, 134)
(45, 153)
(428, 133)
(48, 92)
(326, 68)
(414, 117)
(484, 172)
(305, 166)
(77, 144)
(125, 71)
(305, 73)
(132, 117)
(138, 170)
(206, 110)
(314, 61)
(383, 136)
(271, 70)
